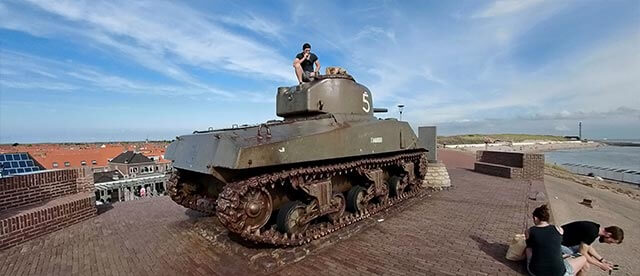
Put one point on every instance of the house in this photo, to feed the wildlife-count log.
(134, 164)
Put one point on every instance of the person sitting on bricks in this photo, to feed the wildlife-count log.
(579, 235)
(304, 63)
(543, 248)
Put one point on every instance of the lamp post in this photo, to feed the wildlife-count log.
(400, 109)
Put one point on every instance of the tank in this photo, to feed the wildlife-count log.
(327, 164)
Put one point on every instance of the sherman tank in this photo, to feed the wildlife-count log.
(327, 164)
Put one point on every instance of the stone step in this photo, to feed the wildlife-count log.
(24, 223)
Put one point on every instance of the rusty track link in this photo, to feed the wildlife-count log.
(196, 202)
(230, 206)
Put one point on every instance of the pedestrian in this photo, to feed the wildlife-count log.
(580, 235)
(543, 252)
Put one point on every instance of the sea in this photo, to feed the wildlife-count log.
(605, 161)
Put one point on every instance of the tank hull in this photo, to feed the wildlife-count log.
(227, 154)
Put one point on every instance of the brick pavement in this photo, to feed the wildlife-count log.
(462, 231)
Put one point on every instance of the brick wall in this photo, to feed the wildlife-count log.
(511, 159)
(510, 164)
(533, 166)
(39, 203)
(85, 181)
(34, 223)
(20, 190)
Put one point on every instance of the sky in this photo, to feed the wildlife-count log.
(135, 70)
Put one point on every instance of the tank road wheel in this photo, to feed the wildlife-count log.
(356, 199)
(339, 203)
(290, 217)
(258, 209)
(395, 185)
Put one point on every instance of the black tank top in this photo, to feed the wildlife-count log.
(546, 257)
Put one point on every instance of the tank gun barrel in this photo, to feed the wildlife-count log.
(380, 110)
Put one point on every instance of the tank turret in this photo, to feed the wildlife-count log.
(326, 95)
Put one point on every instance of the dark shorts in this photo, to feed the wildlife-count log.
(570, 250)
(307, 76)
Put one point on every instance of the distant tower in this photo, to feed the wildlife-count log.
(580, 131)
(400, 109)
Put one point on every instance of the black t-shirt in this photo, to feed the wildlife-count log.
(580, 231)
(307, 64)
(546, 258)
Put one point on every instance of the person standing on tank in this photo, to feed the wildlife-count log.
(304, 64)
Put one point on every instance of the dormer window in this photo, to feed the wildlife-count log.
(55, 164)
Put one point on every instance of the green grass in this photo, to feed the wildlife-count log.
(480, 138)
(556, 167)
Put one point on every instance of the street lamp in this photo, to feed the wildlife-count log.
(400, 108)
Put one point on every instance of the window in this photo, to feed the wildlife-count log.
(55, 164)
(16, 157)
(14, 164)
(24, 156)
(83, 163)
(27, 169)
(12, 171)
(20, 170)
(9, 157)
(2, 157)
(67, 164)
(94, 162)
(6, 164)
(22, 164)
(30, 163)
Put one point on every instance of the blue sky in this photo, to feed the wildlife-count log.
(132, 70)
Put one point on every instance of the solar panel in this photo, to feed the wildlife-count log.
(17, 163)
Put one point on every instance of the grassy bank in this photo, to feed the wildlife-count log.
(481, 138)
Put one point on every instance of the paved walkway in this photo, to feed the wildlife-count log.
(462, 231)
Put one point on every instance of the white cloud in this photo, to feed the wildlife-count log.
(505, 7)
(160, 36)
(31, 72)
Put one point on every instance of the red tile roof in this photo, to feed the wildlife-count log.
(47, 154)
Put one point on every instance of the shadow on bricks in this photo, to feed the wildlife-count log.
(104, 208)
(497, 251)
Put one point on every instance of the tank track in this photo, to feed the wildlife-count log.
(231, 215)
(190, 200)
